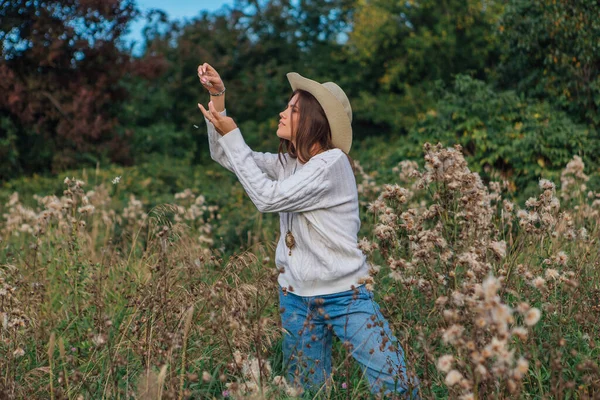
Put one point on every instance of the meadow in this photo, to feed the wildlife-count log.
(491, 297)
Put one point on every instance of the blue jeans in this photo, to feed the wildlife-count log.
(356, 319)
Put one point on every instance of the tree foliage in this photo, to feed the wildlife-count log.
(252, 46)
(59, 75)
(73, 96)
(401, 48)
(552, 52)
(503, 132)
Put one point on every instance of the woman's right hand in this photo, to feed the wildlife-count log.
(210, 79)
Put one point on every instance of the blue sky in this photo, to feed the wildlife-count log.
(183, 8)
(176, 9)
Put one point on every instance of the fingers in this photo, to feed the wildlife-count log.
(211, 79)
(206, 82)
(207, 75)
(211, 114)
(204, 69)
(207, 115)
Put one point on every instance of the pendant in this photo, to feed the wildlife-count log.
(290, 241)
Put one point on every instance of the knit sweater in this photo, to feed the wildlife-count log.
(321, 198)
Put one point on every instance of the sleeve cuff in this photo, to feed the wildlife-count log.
(232, 139)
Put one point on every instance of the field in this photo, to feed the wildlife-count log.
(489, 298)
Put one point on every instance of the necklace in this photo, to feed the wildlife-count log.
(290, 242)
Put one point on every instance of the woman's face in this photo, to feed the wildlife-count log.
(288, 118)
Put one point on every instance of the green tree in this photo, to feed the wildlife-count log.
(253, 45)
(552, 52)
(502, 132)
(401, 48)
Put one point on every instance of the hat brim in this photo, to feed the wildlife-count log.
(339, 123)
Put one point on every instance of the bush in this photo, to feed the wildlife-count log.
(500, 132)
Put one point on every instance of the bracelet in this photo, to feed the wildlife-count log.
(221, 93)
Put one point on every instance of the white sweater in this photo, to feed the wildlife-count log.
(323, 200)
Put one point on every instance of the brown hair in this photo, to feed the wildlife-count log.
(313, 127)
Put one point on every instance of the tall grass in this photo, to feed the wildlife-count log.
(489, 299)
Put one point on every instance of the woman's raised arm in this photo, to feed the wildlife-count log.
(211, 80)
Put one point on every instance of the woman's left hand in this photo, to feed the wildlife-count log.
(223, 124)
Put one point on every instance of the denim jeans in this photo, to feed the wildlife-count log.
(356, 320)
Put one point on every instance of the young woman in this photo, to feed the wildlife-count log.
(313, 188)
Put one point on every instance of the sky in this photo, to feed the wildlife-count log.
(176, 9)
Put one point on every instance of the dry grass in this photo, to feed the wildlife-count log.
(489, 300)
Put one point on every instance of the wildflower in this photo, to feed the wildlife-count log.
(445, 362)
(367, 246)
(368, 281)
(539, 282)
(562, 258)
(225, 393)
(499, 248)
(523, 307)
(531, 202)
(19, 352)
(453, 333)
(344, 385)
(552, 274)
(481, 370)
(545, 184)
(508, 206)
(384, 232)
(522, 368)
(458, 298)
(387, 219)
(450, 315)
(532, 316)
(490, 287)
(453, 377)
(442, 279)
(441, 301)
(374, 269)
(206, 376)
(205, 239)
(502, 315)
(89, 209)
(395, 275)
(395, 192)
(376, 206)
(519, 332)
(572, 177)
(98, 340)
(496, 346)
(548, 219)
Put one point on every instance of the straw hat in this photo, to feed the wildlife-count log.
(335, 104)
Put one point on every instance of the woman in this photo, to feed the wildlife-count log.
(322, 271)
